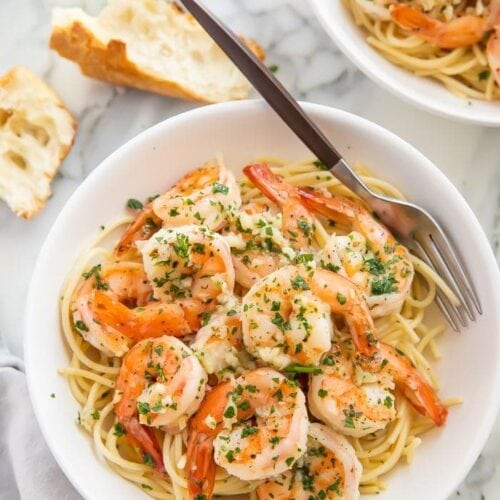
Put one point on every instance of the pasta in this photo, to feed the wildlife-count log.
(92, 375)
(464, 69)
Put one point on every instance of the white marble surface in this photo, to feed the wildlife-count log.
(309, 65)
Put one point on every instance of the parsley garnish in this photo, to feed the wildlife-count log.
(320, 165)
(322, 393)
(296, 368)
(229, 413)
(134, 204)
(341, 299)
(81, 326)
(374, 266)
(384, 285)
(148, 459)
(273, 68)
(219, 188)
(298, 283)
(118, 429)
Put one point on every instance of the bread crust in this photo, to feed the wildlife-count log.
(11, 78)
(109, 62)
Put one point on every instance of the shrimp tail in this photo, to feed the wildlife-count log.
(144, 438)
(143, 227)
(200, 463)
(269, 184)
(414, 386)
(459, 32)
(200, 466)
(163, 319)
(338, 208)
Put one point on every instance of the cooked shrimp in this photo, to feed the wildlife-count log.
(219, 343)
(203, 196)
(353, 402)
(113, 308)
(459, 32)
(161, 384)
(189, 262)
(329, 469)
(345, 298)
(266, 446)
(370, 255)
(298, 224)
(408, 379)
(284, 322)
(257, 242)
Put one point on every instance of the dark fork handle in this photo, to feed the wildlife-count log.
(266, 84)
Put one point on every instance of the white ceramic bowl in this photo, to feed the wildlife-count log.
(423, 92)
(242, 131)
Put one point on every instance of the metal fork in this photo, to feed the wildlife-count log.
(411, 225)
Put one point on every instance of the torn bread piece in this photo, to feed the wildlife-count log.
(152, 45)
(36, 133)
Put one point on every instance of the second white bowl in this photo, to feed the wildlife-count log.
(422, 92)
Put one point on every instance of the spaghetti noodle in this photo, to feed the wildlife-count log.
(92, 375)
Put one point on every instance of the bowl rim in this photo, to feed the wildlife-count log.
(388, 82)
(216, 109)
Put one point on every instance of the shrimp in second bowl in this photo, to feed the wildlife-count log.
(190, 265)
(265, 446)
(204, 196)
(113, 308)
(328, 470)
(351, 401)
(161, 384)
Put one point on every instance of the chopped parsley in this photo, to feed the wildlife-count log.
(384, 285)
(145, 486)
(148, 459)
(96, 414)
(484, 75)
(181, 247)
(320, 165)
(229, 413)
(96, 272)
(298, 283)
(374, 266)
(81, 326)
(248, 431)
(388, 402)
(341, 299)
(143, 408)
(273, 68)
(118, 429)
(322, 393)
(296, 368)
(329, 266)
(219, 188)
(134, 204)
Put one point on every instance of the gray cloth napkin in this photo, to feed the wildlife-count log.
(27, 469)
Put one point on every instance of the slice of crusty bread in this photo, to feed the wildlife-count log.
(149, 44)
(36, 133)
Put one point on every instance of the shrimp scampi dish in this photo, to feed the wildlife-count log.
(264, 336)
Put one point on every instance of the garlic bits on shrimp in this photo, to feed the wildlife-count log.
(284, 322)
